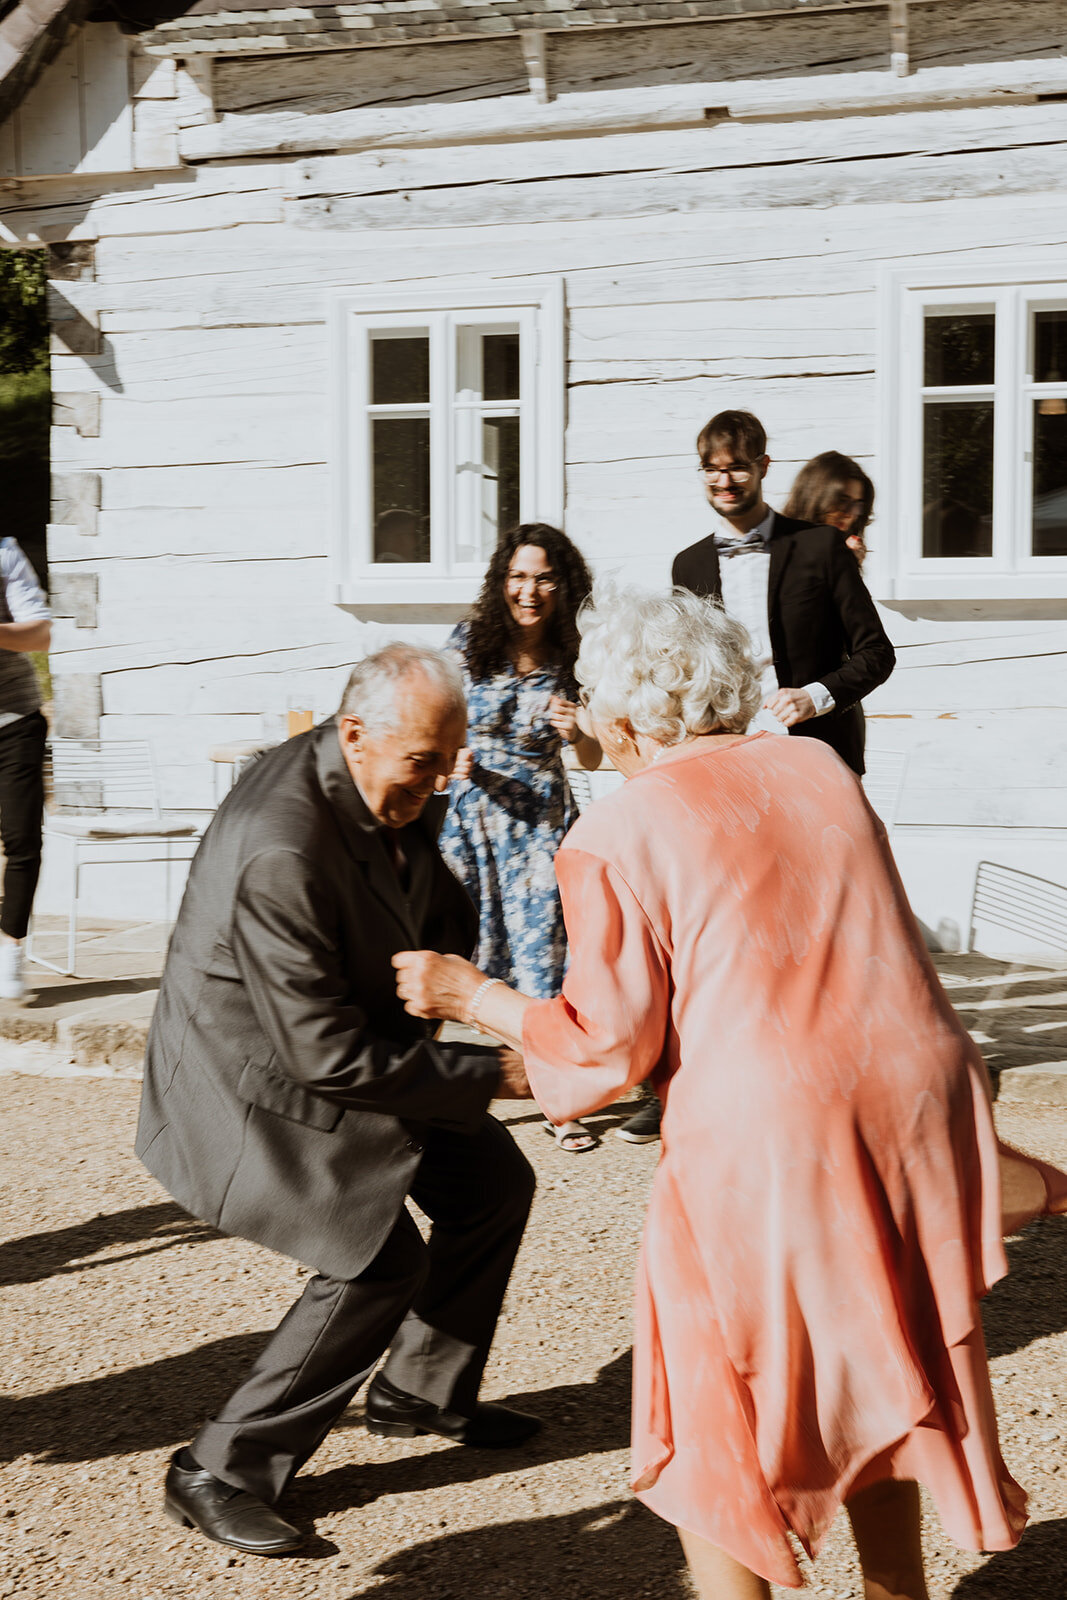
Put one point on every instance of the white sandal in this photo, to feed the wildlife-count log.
(572, 1131)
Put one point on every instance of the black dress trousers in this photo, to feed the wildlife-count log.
(435, 1303)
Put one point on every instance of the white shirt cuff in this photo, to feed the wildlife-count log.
(822, 698)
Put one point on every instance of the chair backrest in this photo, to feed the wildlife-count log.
(1021, 903)
(580, 786)
(104, 775)
(883, 782)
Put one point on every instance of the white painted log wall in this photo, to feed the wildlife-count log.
(213, 529)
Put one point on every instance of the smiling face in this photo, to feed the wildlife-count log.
(398, 768)
(531, 591)
(734, 487)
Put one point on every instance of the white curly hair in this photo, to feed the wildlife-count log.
(671, 665)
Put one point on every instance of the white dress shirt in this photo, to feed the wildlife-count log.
(744, 580)
(21, 600)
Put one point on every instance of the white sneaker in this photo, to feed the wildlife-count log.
(12, 986)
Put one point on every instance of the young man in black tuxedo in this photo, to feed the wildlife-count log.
(816, 637)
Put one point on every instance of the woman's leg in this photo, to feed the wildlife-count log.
(718, 1576)
(888, 1532)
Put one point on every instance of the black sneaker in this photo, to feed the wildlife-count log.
(643, 1126)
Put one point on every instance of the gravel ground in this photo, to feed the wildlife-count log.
(124, 1322)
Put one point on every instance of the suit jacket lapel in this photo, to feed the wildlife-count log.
(781, 550)
(362, 833)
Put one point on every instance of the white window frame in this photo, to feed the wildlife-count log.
(899, 572)
(537, 308)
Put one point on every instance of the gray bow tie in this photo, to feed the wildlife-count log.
(727, 547)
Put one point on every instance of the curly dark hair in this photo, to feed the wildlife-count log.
(490, 630)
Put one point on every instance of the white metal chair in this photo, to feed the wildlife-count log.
(106, 807)
(883, 782)
(1020, 903)
(580, 787)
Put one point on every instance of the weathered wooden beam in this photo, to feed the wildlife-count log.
(74, 595)
(80, 410)
(536, 59)
(899, 49)
(76, 500)
(623, 110)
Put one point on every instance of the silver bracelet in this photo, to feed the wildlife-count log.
(477, 997)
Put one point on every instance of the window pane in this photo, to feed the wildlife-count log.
(400, 370)
(500, 479)
(1050, 478)
(500, 366)
(958, 479)
(1050, 346)
(401, 449)
(959, 349)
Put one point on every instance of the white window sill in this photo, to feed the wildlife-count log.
(429, 591)
(1019, 594)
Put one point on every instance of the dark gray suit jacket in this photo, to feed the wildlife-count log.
(287, 1093)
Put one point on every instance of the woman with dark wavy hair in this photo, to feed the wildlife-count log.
(510, 803)
(832, 490)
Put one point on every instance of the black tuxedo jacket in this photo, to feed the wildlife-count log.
(823, 624)
(287, 1092)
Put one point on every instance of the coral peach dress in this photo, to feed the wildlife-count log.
(826, 1211)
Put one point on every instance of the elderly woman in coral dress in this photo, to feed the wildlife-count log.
(826, 1213)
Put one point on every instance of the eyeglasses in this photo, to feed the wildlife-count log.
(735, 474)
(544, 584)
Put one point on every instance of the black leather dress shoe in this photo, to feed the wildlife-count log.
(193, 1498)
(403, 1416)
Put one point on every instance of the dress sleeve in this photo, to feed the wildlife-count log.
(606, 1031)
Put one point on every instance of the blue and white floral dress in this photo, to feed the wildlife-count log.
(506, 822)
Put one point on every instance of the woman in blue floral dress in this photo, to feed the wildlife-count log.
(510, 802)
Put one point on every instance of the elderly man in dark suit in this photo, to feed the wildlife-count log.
(289, 1098)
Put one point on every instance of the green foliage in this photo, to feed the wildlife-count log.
(23, 311)
(25, 401)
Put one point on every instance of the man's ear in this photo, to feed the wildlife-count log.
(350, 730)
(763, 463)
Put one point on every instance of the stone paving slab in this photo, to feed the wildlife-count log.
(97, 1022)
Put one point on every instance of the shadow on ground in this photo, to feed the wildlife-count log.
(596, 1554)
(1031, 1302)
(163, 1403)
(45, 997)
(1035, 1570)
(46, 1255)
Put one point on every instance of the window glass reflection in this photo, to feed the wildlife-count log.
(401, 494)
(1050, 478)
(958, 349)
(500, 366)
(1050, 346)
(958, 479)
(400, 370)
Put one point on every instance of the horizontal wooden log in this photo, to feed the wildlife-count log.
(897, 180)
(314, 84)
(290, 133)
(221, 487)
